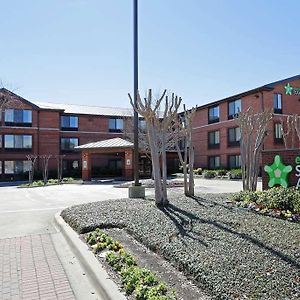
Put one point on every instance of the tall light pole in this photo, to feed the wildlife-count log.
(135, 86)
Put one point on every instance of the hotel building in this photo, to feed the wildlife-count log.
(38, 128)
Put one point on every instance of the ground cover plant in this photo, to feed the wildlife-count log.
(228, 251)
(139, 282)
(49, 182)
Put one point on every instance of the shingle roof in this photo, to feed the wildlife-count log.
(86, 110)
(110, 143)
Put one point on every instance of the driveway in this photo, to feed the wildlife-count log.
(26, 211)
(27, 232)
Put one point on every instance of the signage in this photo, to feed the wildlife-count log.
(290, 90)
(278, 172)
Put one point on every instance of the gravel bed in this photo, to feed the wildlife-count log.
(228, 251)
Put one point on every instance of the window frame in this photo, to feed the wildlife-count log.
(213, 120)
(13, 121)
(234, 143)
(277, 110)
(215, 145)
(115, 129)
(214, 157)
(68, 150)
(277, 140)
(15, 142)
(68, 128)
(231, 116)
(234, 155)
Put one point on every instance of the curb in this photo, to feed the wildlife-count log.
(97, 276)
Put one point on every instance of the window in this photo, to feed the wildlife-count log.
(213, 114)
(214, 139)
(234, 136)
(16, 167)
(142, 124)
(18, 117)
(68, 144)
(277, 99)
(234, 161)
(214, 162)
(278, 138)
(234, 107)
(115, 125)
(18, 142)
(69, 123)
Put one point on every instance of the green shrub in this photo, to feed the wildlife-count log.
(68, 179)
(120, 260)
(285, 199)
(235, 174)
(209, 174)
(198, 171)
(221, 172)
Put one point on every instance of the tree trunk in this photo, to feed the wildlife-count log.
(159, 199)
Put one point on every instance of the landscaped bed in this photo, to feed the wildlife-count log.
(230, 252)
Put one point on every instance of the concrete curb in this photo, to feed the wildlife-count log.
(98, 277)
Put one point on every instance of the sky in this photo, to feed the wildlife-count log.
(80, 51)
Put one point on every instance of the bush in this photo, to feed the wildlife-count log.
(285, 199)
(198, 171)
(209, 174)
(221, 172)
(235, 174)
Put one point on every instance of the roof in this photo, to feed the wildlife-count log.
(266, 87)
(86, 110)
(110, 143)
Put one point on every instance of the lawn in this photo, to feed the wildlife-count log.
(229, 252)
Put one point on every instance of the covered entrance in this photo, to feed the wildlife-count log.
(110, 146)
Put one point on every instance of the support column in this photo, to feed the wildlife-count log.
(128, 165)
(86, 166)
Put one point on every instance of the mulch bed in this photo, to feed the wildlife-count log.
(230, 252)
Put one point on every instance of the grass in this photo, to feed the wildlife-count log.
(230, 252)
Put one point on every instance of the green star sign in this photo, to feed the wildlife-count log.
(278, 172)
(288, 89)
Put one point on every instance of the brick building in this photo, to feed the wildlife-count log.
(45, 128)
(216, 135)
(30, 127)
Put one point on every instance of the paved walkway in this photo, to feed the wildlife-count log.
(30, 269)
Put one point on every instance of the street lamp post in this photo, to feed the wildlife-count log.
(136, 190)
(135, 86)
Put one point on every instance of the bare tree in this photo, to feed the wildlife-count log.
(296, 125)
(287, 129)
(183, 133)
(150, 109)
(59, 159)
(32, 159)
(45, 162)
(290, 130)
(253, 127)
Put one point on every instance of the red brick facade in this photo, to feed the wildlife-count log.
(259, 99)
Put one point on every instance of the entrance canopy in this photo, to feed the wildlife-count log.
(114, 145)
(106, 144)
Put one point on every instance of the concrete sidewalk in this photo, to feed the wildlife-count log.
(30, 269)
